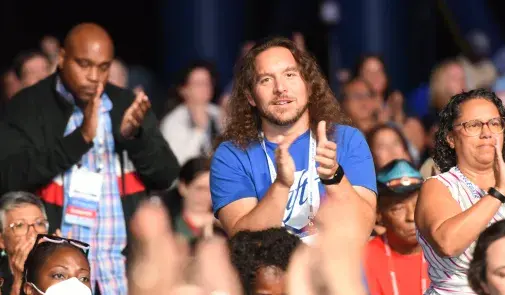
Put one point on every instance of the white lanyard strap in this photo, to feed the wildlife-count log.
(311, 168)
(392, 273)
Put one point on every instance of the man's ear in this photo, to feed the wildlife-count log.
(61, 58)
(182, 188)
(250, 99)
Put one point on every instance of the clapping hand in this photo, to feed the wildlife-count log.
(135, 114)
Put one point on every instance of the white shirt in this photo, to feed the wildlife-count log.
(185, 140)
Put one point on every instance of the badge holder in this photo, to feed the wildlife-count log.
(84, 197)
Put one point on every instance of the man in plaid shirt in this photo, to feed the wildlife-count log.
(90, 149)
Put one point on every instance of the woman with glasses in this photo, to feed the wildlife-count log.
(455, 206)
(57, 266)
(22, 217)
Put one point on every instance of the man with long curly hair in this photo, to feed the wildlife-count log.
(278, 159)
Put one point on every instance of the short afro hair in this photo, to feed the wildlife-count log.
(251, 250)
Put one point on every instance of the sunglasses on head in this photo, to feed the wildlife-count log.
(43, 238)
(46, 238)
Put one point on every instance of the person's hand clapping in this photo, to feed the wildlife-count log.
(285, 163)
(135, 114)
(499, 167)
(90, 121)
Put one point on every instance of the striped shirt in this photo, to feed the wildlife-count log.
(448, 274)
(107, 237)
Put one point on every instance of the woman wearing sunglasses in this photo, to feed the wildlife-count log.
(455, 206)
(57, 266)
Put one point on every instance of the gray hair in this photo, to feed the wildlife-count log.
(18, 199)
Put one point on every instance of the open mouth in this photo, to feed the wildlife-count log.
(282, 102)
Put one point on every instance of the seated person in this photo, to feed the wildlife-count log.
(190, 204)
(22, 217)
(394, 260)
(261, 259)
(57, 266)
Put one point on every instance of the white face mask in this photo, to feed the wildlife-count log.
(71, 286)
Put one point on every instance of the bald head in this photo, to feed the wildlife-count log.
(87, 33)
(85, 59)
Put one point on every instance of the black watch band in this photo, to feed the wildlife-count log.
(337, 177)
(496, 194)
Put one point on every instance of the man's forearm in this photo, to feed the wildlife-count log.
(268, 213)
(345, 192)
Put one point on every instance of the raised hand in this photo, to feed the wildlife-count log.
(199, 115)
(135, 114)
(90, 121)
(326, 153)
(160, 262)
(499, 167)
(17, 261)
(319, 267)
(285, 164)
(158, 257)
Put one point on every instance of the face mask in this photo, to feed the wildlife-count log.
(71, 286)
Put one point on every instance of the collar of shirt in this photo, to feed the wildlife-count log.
(105, 106)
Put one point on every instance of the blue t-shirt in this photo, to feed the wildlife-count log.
(237, 173)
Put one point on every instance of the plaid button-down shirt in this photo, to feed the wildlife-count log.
(107, 237)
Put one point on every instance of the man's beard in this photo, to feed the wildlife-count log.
(270, 117)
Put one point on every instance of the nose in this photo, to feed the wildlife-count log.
(31, 231)
(485, 132)
(280, 86)
(410, 212)
(93, 74)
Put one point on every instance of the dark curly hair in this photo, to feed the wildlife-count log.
(251, 250)
(243, 120)
(444, 156)
(478, 265)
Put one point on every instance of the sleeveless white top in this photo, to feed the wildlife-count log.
(448, 274)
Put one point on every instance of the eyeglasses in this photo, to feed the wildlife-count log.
(20, 228)
(474, 127)
(42, 238)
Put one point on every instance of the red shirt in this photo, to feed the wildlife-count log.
(407, 269)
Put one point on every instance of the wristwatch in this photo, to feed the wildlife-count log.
(337, 177)
(496, 194)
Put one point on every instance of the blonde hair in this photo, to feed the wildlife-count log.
(438, 92)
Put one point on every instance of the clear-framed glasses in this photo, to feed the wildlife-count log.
(474, 127)
(21, 227)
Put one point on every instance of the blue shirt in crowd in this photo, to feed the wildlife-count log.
(237, 173)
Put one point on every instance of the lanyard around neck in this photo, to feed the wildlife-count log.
(392, 272)
(311, 168)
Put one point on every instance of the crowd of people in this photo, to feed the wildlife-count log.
(275, 186)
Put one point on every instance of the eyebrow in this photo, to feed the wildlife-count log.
(499, 268)
(90, 61)
(287, 69)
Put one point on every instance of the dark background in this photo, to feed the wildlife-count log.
(165, 35)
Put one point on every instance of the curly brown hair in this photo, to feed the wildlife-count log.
(243, 120)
